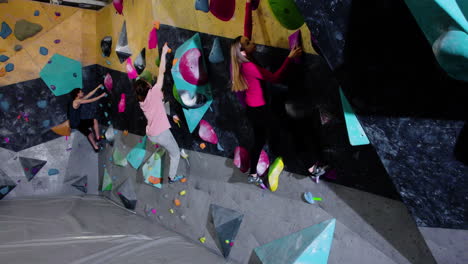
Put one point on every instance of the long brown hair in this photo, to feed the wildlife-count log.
(238, 82)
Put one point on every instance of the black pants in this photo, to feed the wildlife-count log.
(85, 126)
(258, 117)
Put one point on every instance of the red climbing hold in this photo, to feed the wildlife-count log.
(191, 67)
(223, 9)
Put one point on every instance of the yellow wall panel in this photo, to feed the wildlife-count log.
(25, 69)
(65, 12)
(88, 34)
(266, 29)
(69, 34)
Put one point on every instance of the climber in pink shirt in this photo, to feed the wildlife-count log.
(247, 77)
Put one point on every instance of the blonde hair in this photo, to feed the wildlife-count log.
(238, 83)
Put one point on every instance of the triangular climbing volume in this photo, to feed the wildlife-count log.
(106, 181)
(356, 133)
(31, 166)
(127, 195)
(310, 245)
(6, 184)
(227, 223)
(122, 49)
(136, 156)
(81, 184)
(153, 170)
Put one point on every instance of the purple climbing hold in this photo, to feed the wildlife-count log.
(43, 51)
(49, 62)
(57, 41)
(53, 87)
(75, 75)
(58, 14)
(9, 67)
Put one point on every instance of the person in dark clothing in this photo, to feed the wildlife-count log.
(85, 126)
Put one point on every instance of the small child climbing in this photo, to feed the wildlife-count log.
(246, 77)
(87, 127)
(158, 128)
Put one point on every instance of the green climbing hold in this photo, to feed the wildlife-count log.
(25, 29)
(287, 13)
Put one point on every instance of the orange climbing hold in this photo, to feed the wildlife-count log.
(2, 72)
(176, 202)
(62, 129)
(174, 62)
(125, 133)
(202, 145)
(156, 24)
(154, 180)
(183, 180)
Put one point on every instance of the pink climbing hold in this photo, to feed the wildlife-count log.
(191, 67)
(132, 73)
(108, 82)
(223, 9)
(118, 4)
(207, 133)
(241, 159)
(153, 39)
(122, 103)
(153, 211)
(263, 163)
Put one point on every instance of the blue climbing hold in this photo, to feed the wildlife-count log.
(5, 31)
(46, 123)
(42, 104)
(53, 172)
(202, 5)
(43, 51)
(216, 54)
(5, 105)
(108, 62)
(36, 13)
(106, 114)
(9, 67)
(4, 58)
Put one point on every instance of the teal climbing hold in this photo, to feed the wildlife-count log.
(52, 172)
(356, 133)
(46, 123)
(4, 58)
(202, 5)
(310, 245)
(153, 169)
(216, 54)
(43, 51)
(9, 67)
(42, 104)
(5, 30)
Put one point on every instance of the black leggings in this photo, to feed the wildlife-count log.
(259, 118)
(86, 126)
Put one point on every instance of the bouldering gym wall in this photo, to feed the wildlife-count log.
(379, 92)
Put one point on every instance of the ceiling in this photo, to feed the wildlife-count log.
(86, 4)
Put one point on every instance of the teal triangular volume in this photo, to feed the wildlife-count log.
(192, 116)
(62, 74)
(356, 133)
(227, 223)
(136, 156)
(310, 245)
(153, 169)
(31, 166)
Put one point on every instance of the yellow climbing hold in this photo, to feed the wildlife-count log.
(202, 239)
(182, 193)
(227, 241)
(171, 211)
